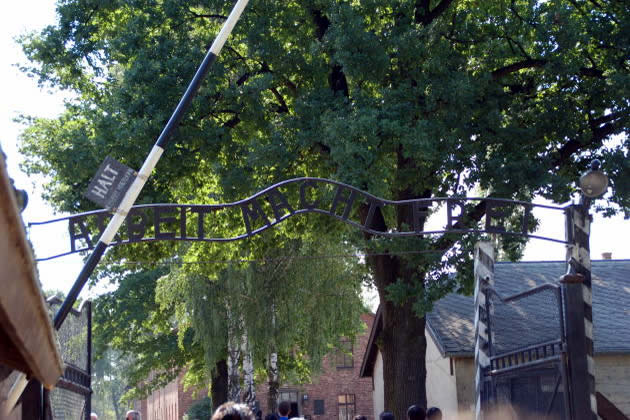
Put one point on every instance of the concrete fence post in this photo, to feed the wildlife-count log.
(484, 277)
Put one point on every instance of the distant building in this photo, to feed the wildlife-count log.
(450, 337)
(170, 402)
(337, 393)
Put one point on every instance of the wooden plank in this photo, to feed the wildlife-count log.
(23, 312)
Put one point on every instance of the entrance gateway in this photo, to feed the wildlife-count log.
(553, 368)
(258, 215)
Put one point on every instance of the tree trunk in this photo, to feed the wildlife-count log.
(115, 400)
(402, 343)
(403, 347)
(249, 393)
(234, 374)
(272, 372)
(219, 386)
(233, 356)
(272, 369)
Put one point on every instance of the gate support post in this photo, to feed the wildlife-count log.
(576, 285)
(484, 277)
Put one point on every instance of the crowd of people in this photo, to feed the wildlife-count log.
(415, 412)
(234, 411)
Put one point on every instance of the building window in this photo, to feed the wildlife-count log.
(344, 354)
(347, 406)
(318, 409)
(292, 397)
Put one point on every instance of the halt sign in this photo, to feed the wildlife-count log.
(111, 182)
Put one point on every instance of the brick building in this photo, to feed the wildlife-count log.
(337, 392)
(170, 402)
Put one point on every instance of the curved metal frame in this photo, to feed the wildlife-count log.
(418, 205)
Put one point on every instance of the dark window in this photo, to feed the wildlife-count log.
(319, 408)
(347, 407)
(344, 354)
(292, 397)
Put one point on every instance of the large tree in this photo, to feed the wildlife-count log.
(404, 99)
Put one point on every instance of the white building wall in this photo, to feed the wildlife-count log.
(455, 394)
(441, 385)
(465, 374)
(612, 379)
(379, 386)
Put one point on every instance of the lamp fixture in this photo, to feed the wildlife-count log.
(594, 182)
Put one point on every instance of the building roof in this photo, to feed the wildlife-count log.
(29, 340)
(451, 321)
(451, 325)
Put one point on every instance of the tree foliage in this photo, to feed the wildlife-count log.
(404, 99)
(129, 323)
(294, 302)
(109, 384)
(201, 410)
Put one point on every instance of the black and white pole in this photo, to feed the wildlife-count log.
(577, 291)
(484, 278)
(150, 162)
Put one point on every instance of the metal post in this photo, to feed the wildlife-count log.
(484, 277)
(577, 291)
(88, 399)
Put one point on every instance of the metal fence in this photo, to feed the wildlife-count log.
(527, 348)
(71, 397)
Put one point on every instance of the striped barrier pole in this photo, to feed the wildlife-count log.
(154, 156)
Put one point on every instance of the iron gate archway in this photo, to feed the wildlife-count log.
(132, 189)
(271, 206)
(279, 202)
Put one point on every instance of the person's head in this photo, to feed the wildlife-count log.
(434, 413)
(233, 411)
(360, 418)
(284, 408)
(415, 412)
(93, 416)
(387, 415)
(132, 415)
